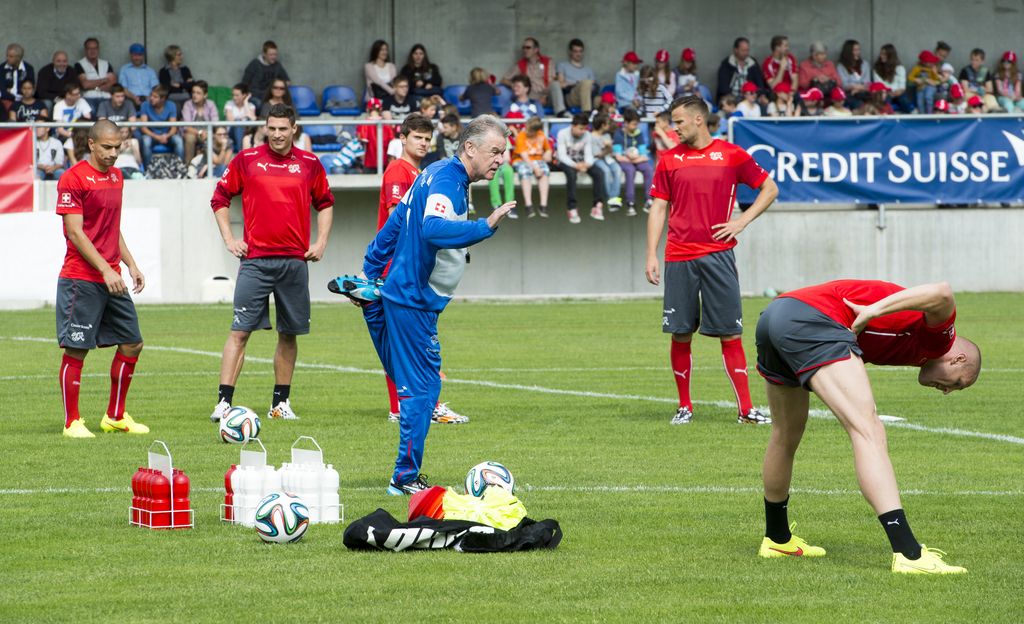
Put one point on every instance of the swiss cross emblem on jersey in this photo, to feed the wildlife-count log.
(396, 191)
(715, 155)
(65, 198)
(293, 168)
(440, 208)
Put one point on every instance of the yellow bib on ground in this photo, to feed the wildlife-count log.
(498, 508)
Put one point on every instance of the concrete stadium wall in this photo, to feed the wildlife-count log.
(974, 249)
(326, 41)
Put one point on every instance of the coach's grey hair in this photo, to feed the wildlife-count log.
(475, 131)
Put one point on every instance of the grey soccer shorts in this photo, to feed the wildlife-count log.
(795, 339)
(703, 293)
(88, 316)
(287, 279)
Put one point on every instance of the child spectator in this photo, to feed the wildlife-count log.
(627, 80)
(348, 158)
(479, 93)
(447, 141)
(783, 106)
(367, 133)
(653, 95)
(531, 157)
(118, 108)
(926, 79)
(176, 76)
(946, 81)
(879, 102)
(71, 108)
(398, 104)
(686, 74)
(424, 77)
(505, 175)
(1007, 83)
(607, 108)
(604, 159)
(811, 102)
(521, 101)
(430, 105)
(575, 156)
(664, 73)
(727, 106)
(664, 137)
(29, 108)
(957, 100)
(199, 108)
(379, 71)
(715, 126)
(975, 105)
(941, 107)
(889, 71)
(632, 153)
(129, 157)
(49, 155)
(838, 105)
(76, 147)
(277, 93)
(976, 79)
(239, 108)
(749, 107)
(223, 152)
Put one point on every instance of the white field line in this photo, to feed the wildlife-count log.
(892, 421)
(579, 489)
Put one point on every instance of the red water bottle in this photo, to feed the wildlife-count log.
(229, 495)
(136, 495)
(161, 500)
(145, 497)
(182, 505)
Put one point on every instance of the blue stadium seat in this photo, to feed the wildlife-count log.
(322, 131)
(452, 93)
(335, 95)
(502, 101)
(304, 101)
(555, 128)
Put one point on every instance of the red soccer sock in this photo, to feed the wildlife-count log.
(682, 367)
(121, 370)
(736, 368)
(392, 395)
(70, 379)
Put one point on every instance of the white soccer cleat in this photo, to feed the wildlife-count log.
(282, 411)
(444, 415)
(219, 411)
(394, 416)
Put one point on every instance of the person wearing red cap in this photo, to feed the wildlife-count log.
(748, 106)
(811, 104)
(838, 104)
(925, 77)
(695, 187)
(1007, 83)
(878, 102)
(957, 100)
(975, 105)
(685, 74)
(782, 104)
(941, 107)
(627, 80)
(737, 69)
(664, 71)
(817, 70)
(780, 67)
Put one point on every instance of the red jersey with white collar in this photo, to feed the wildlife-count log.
(276, 195)
(700, 186)
(398, 179)
(898, 339)
(96, 196)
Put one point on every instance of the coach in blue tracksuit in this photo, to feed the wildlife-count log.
(425, 239)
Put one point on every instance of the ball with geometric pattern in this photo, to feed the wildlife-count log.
(489, 473)
(281, 518)
(238, 425)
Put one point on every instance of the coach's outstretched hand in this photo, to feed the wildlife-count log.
(499, 213)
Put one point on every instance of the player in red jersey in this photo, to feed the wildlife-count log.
(698, 178)
(278, 182)
(415, 133)
(817, 339)
(94, 308)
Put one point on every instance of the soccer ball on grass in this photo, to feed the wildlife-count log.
(281, 518)
(238, 425)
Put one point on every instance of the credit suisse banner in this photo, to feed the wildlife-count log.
(955, 159)
(16, 176)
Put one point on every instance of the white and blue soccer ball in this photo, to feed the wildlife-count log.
(281, 518)
(489, 473)
(239, 425)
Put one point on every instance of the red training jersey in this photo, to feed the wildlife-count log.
(276, 194)
(898, 339)
(96, 196)
(700, 186)
(398, 179)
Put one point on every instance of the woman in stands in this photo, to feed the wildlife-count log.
(176, 76)
(278, 93)
(380, 71)
(424, 77)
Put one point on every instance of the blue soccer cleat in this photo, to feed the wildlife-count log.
(358, 289)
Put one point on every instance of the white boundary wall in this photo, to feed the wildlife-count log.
(171, 231)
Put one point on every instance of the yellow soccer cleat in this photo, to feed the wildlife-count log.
(125, 425)
(795, 547)
(77, 429)
(930, 563)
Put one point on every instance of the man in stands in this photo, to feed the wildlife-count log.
(118, 108)
(576, 84)
(817, 339)
(414, 133)
(262, 71)
(13, 72)
(71, 108)
(737, 69)
(55, 77)
(94, 74)
(93, 306)
(536, 67)
(780, 66)
(698, 178)
(137, 78)
(278, 183)
(158, 108)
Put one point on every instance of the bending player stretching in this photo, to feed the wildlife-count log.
(805, 343)
(93, 305)
(425, 240)
(698, 178)
(415, 133)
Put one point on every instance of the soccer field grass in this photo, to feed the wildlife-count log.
(660, 523)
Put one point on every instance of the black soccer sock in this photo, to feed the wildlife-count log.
(900, 536)
(776, 521)
(280, 394)
(225, 393)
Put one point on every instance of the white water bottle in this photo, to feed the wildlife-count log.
(330, 500)
(250, 494)
(311, 491)
(236, 497)
(271, 480)
(286, 478)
